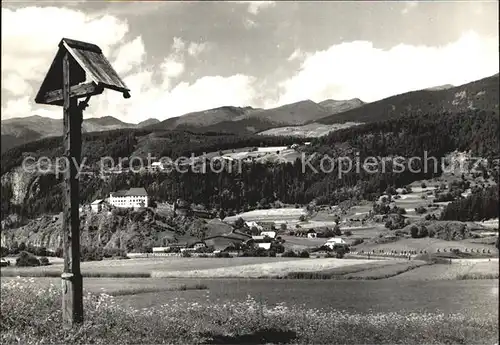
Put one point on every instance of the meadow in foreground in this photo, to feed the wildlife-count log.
(31, 314)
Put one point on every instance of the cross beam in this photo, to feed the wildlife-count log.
(78, 91)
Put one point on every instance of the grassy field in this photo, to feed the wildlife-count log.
(355, 312)
(431, 245)
(269, 215)
(263, 270)
(458, 270)
(311, 130)
(141, 267)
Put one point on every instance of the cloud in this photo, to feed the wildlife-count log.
(129, 55)
(179, 45)
(358, 69)
(172, 68)
(249, 24)
(31, 59)
(254, 7)
(297, 54)
(28, 50)
(195, 49)
(16, 85)
(409, 5)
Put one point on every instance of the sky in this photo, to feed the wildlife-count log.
(181, 57)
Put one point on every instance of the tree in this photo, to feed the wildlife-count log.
(26, 259)
(239, 223)
(283, 226)
(336, 230)
(222, 214)
(420, 210)
(254, 230)
(414, 231)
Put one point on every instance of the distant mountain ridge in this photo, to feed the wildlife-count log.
(21, 130)
(252, 120)
(480, 94)
(336, 107)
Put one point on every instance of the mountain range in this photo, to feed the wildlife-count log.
(20, 130)
(17, 131)
(481, 94)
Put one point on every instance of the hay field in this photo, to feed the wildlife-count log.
(431, 245)
(142, 267)
(463, 269)
(269, 215)
(271, 269)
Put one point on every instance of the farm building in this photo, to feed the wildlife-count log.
(222, 242)
(182, 208)
(265, 246)
(134, 197)
(198, 245)
(312, 234)
(335, 241)
(254, 224)
(270, 234)
(96, 206)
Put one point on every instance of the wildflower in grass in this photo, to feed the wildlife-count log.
(33, 314)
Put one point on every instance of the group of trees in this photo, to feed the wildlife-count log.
(480, 205)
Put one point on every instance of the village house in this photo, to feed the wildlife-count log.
(334, 242)
(134, 197)
(96, 206)
(270, 234)
(312, 234)
(254, 224)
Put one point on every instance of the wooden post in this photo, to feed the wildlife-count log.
(72, 284)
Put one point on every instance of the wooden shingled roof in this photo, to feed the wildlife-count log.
(86, 63)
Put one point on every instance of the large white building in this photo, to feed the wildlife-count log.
(134, 197)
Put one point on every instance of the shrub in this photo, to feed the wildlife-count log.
(418, 231)
(186, 254)
(357, 241)
(339, 253)
(391, 191)
(423, 185)
(272, 254)
(348, 233)
(278, 248)
(444, 197)
(420, 210)
(220, 255)
(26, 259)
(255, 252)
(289, 254)
(44, 261)
(304, 254)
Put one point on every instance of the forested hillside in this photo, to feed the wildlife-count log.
(408, 136)
(481, 95)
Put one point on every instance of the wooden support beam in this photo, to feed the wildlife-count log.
(72, 284)
(78, 91)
